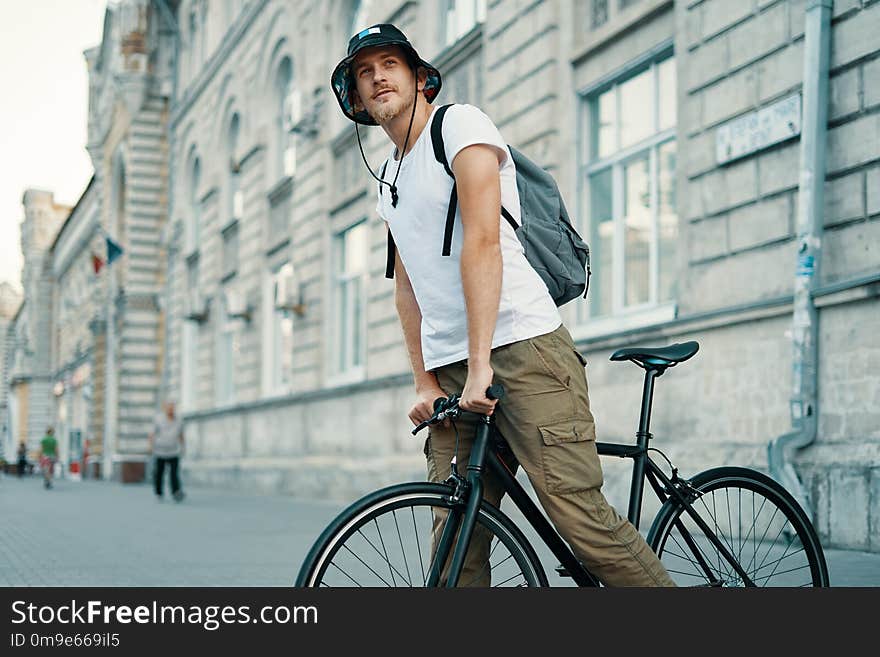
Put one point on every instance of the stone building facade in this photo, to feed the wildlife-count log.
(10, 301)
(78, 305)
(28, 405)
(87, 342)
(284, 344)
(254, 289)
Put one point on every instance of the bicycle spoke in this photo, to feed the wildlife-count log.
(780, 560)
(694, 561)
(364, 562)
(391, 569)
(418, 546)
(488, 565)
(507, 580)
(376, 550)
(347, 575)
(790, 570)
(720, 535)
(402, 549)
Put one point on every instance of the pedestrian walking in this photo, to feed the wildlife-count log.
(478, 313)
(22, 459)
(48, 456)
(166, 445)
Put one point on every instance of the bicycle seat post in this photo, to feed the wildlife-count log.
(642, 438)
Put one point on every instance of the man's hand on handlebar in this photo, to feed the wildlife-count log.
(423, 409)
(473, 397)
(448, 407)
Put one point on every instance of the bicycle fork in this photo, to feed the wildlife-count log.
(456, 523)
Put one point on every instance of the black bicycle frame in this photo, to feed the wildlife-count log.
(643, 468)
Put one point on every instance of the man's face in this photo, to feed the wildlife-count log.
(384, 82)
(169, 409)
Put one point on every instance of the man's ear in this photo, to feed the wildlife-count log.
(355, 98)
(421, 78)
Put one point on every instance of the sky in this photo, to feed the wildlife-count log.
(43, 112)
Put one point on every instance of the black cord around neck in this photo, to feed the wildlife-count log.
(393, 185)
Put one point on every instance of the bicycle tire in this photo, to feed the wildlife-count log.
(789, 537)
(320, 565)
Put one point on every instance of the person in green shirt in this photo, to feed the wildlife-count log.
(48, 456)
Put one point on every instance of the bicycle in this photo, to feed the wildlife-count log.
(702, 532)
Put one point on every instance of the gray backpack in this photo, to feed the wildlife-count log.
(551, 244)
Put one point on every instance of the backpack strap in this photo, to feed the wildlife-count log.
(440, 156)
(389, 262)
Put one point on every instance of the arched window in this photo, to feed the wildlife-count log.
(119, 199)
(288, 104)
(235, 201)
(193, 232)
(234, 196)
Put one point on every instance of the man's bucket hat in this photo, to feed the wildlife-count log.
(383, 34)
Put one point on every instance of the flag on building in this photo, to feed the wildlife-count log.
(113, 250)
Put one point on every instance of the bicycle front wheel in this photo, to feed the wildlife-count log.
(756, 520)
(385, 540)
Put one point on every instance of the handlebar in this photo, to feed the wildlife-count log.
(448, 406)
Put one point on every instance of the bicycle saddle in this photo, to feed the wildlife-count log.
(653, 357)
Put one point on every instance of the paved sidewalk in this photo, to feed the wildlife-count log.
(95, 533)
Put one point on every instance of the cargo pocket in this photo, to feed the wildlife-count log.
(571, 462)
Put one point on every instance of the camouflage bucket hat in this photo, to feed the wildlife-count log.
(383, 34)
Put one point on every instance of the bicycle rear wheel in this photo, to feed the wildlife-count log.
(384, 540)
(755, 518)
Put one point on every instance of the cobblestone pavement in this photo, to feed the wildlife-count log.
(94, 533)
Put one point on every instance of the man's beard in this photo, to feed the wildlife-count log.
(385, 112)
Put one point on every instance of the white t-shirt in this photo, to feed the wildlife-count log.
(418, 223)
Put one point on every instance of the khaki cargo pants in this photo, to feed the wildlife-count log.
(545, 418)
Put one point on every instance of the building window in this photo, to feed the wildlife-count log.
(598, 13)
(227, 353)
(230, 250)
(234, 194)
(629, 188)
(349, 173)
(280, 333)
(193, 226)
(351, 250)
(460, 17)
(279, 219)
(289, 105)
(189, 395)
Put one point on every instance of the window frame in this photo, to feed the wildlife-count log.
(448, 40)
(622, 316)
(351, 371)
(273, 385)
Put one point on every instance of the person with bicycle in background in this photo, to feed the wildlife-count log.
(48, 456)
(482, 315)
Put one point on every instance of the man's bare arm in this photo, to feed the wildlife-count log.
(411, 321)
(479, 197)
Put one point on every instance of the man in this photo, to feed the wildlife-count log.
(48, 456)
(165, 442)
(483, 315)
